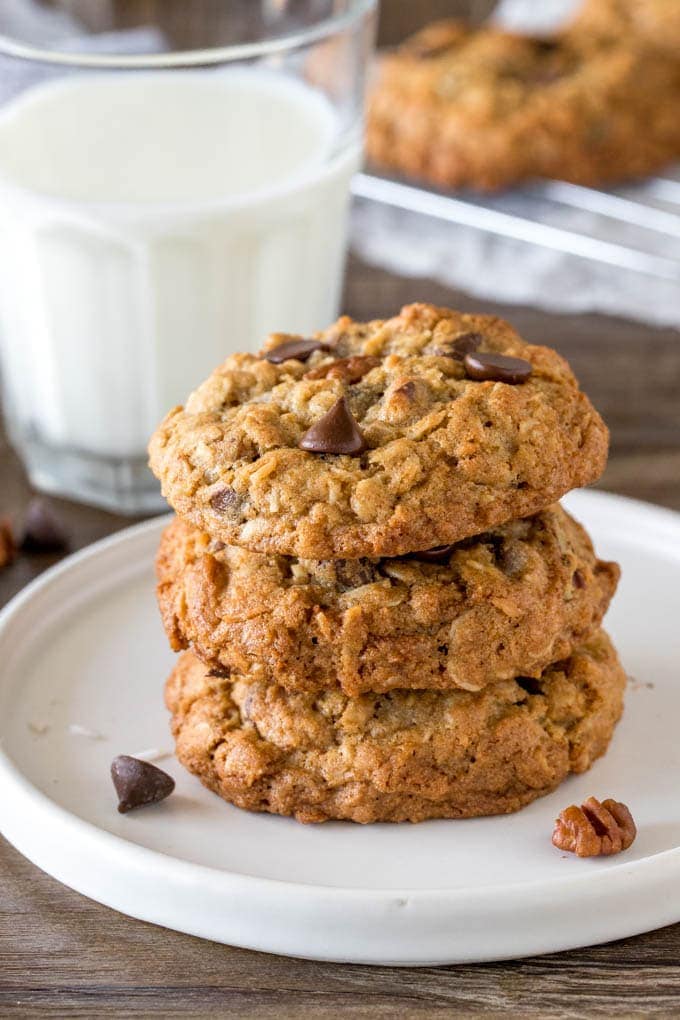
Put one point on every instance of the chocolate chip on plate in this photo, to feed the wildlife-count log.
(496, 367)
(139, 782)
(298, 349)
(43, 532)
(335, 432)
(439, 554)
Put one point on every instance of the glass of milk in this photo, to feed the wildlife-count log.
(170, 192)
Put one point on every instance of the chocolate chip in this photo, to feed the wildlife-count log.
(139, 782)
(463, 344)
(512, 559)
(439, 554)
(43, 532)
(300, 350)
(545, 45)
(529, 684)
(354, 573)
(336, 432)
(407, 390)
(349, 370)
(578, 579)
(218, 674)
(497, 367)
(224, 500)
(7, 545)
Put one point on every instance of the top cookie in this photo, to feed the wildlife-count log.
(656, 22)
(486, 108)
(442, 439)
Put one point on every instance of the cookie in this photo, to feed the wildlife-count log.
(505, 603)
(379, 439)
(401, 756)
(484, 108)
(656, 22)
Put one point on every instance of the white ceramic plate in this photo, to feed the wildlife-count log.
(83, 647)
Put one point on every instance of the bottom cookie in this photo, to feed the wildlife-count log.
(400, 756)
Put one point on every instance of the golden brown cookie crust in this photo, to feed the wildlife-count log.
(656, 22)
(507, 603)
(487, 109)
(401, 756)
(447, 457)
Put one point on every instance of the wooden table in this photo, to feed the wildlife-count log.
(64, 956)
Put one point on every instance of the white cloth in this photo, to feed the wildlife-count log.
(534, 15)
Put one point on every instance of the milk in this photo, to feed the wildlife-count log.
(151, 224)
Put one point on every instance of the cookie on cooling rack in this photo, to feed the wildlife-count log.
(485, 108)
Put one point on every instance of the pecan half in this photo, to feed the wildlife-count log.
(595, 829)
(349, 370)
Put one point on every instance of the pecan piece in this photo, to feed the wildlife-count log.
(595, 829)
(349, 370)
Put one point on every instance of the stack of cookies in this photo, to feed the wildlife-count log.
(388, 616)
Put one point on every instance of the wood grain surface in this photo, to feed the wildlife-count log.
(64, 956)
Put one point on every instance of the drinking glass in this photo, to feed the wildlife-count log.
(174, 185)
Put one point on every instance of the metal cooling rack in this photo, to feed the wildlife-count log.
(634, 227)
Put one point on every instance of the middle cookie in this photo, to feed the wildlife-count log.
(505, 603)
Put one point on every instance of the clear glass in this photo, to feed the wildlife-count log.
(174, 185)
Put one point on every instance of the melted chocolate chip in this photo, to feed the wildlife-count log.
(43, 531)
(224, 500)
(512, 559)
(139, 782)
(464, 344)
(354, 573)
(439, 554)
(497, 367)
(336, 432)
(298, 349)
(218, 674)
(578, 579)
